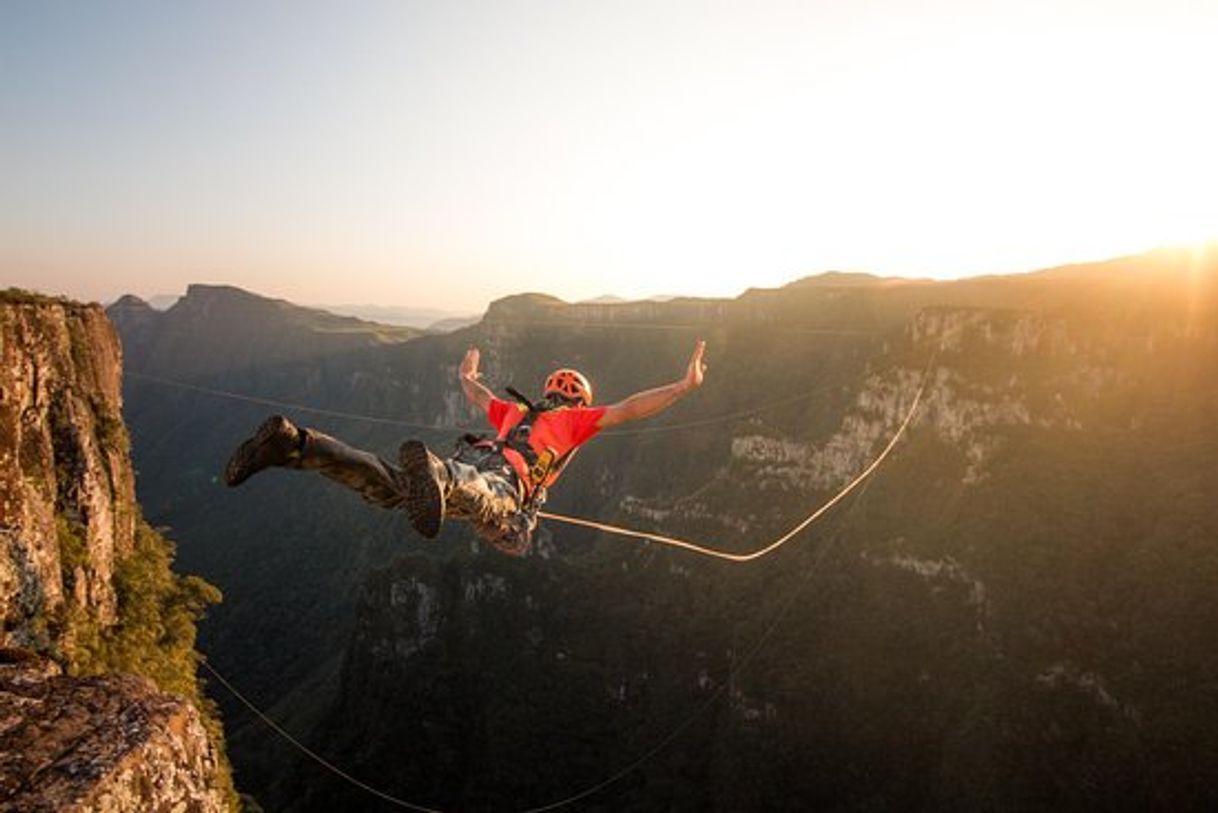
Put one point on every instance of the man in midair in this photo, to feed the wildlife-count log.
(495, 483)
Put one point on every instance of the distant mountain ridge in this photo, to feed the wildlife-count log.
(842, 278)
(221, 327)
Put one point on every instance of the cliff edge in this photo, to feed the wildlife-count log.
(67, 491)
(99, 705)
(114, 742)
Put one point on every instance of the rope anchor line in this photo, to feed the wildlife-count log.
(309, 752)
(601, 526)
(772, 546)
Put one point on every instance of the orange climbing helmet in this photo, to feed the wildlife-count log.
(569, 384)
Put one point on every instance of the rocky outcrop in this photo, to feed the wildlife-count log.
(85, 587)
(67, 491)
(110, 743)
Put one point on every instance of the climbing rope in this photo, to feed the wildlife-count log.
(780, 541)
(309, 752)
(605, 527)
(254, 399)
(356, 416)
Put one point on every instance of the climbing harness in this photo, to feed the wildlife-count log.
(542, 468)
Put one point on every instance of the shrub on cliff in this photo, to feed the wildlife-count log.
(155, 632)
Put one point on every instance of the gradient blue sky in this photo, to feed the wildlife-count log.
(444, 154)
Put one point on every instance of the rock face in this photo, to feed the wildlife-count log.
(85, 587)
(67, 492)
(99, 744)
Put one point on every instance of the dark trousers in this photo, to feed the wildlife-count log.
(481, 487)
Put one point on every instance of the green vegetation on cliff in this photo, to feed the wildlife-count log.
(154, 636)
(157, 612)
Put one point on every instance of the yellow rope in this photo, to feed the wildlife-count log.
(777, 543)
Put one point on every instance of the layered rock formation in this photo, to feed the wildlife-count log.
(67, 491)
(85, 588)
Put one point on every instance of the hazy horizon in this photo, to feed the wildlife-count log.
(163, 299)
(443, 156)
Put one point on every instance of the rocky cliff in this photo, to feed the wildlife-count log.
(67, 491)
(86, 593)
(112, 743)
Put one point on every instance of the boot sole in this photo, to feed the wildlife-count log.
(423, 501)
(245, 461)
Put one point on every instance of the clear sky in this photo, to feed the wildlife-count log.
(446, 153)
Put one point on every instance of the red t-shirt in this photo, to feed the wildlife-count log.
(553, 433)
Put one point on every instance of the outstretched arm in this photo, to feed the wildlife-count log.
(649, 402)
(474, 390)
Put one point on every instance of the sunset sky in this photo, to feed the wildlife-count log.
(447, 153)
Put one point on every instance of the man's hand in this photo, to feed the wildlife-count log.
(643, 404)
(697, 367)
(469, 364)
(468, 374)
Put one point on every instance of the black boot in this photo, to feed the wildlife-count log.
(426, 479)
(276, 443)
